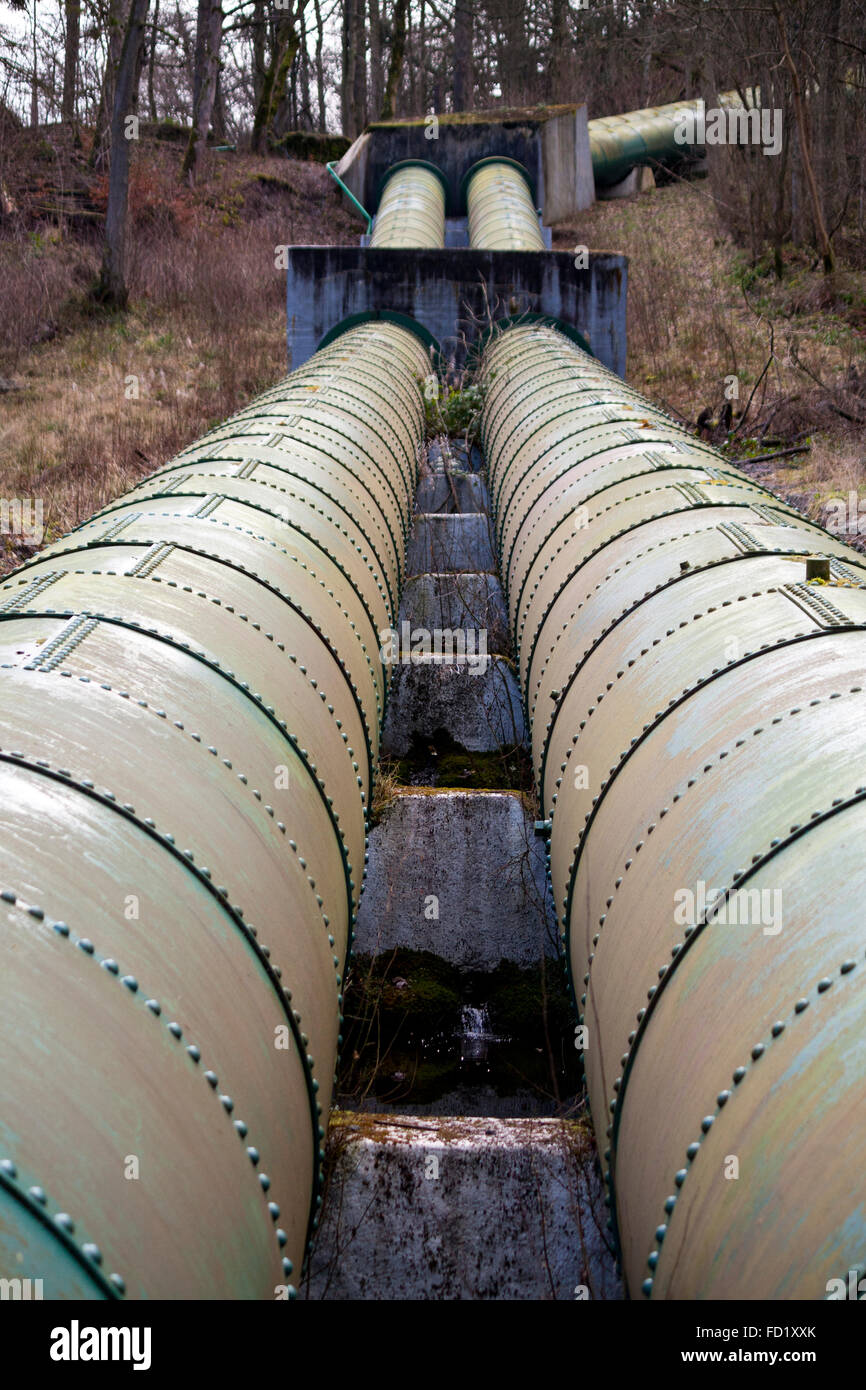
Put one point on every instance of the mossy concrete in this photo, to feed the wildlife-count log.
(473, 698)
(461, 1208)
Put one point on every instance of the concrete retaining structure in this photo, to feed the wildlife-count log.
(455, 293)
(552, 143)
(461, 874)
(412, 1204)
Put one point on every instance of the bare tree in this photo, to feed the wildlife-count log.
(209, 28)
(70, 58)
(151, 61)
(320, 66)
(116, 17)
(827, 256)
(376, 69)
(395, 63)
(111, 289)
(463, 82)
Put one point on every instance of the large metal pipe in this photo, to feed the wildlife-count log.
(191, 690)
(412, 207)
(696, 700)
(618, 143)
(501, 208)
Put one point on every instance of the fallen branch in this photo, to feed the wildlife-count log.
(779, 454)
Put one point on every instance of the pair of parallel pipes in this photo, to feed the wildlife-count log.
(500, 208)
(187, 815)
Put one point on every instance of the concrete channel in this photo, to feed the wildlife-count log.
(485, 1183)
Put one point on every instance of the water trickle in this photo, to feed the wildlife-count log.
(475, 1032)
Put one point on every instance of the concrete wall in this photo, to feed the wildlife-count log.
(567, 184)
(450, 292)
(477, 854)
(471, 1208)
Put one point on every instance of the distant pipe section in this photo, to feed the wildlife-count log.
(692, 655)
(412, 207)
(191, 690)
(501, 207)
(619, 143)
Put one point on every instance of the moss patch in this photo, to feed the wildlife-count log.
(502, 115)
(440, 762)
(518, 999)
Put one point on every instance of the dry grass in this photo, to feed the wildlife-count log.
(100, 401)
(206, 329)
(698, 314)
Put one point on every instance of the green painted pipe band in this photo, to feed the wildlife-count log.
(191, 691)
(696, 704)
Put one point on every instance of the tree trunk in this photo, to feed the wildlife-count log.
(395, 64)
(70, 59)
(359, 83)
(218, 122)
(827, 257)
(207, 52)
(111, 289)
(305, 105)
(376, 71)
(347, 72)
(421, 97)
(320, 67)
(259, 36)
(151, 62)
(202, 17)
(276, 79)
(34, 89)
(118, 16)
(462, 93)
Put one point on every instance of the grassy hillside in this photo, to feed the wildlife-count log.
(90, 403)
(699, 313)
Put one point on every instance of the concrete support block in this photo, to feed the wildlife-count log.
(567, 185)
(445, 602)
(453, 294)
(551, 142)
(462, 492)
(352, 171)
(470, 1208)
(473, 698)
(640, 180)
(459, 873)
(461, 541)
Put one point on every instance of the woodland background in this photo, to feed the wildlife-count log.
(139, 299)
